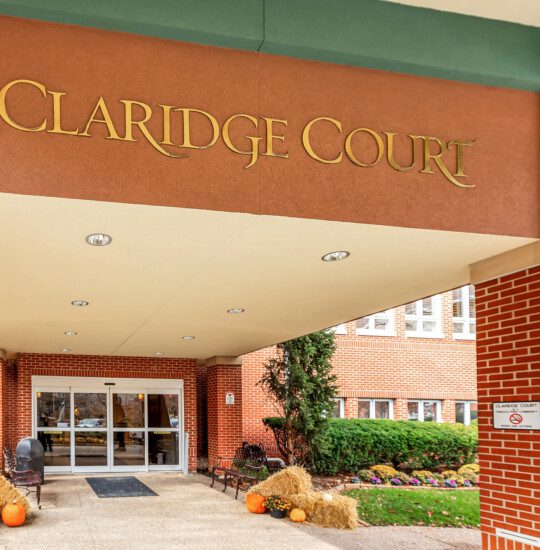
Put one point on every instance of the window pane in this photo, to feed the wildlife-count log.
(460, 412)
(457, 328)
(163, 410)
(472, 303)
(412, 407)
(363, 409)
(474, 411)
(91, 448)
(57, 447)
(362, 323)
(457, 305)
(163, 448)
(129, 449)
(430, 411)
(429, 326)
(427, 306)
(128, 410)
(53, 409)
(472, 328)
(381, 323)
(337, 408)
(410, 326)
(410, 309)
(90, 410)
(382, 409)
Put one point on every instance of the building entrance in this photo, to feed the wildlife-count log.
(97, 425)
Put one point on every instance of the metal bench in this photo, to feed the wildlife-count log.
(20, 473)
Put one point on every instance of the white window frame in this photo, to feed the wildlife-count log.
(465, 319)
(372, 407)
(339, 329)
(341, 401)
(419, 318)
(390, 329)
(467, 412)
(421, 402)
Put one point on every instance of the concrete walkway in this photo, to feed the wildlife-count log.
(188, 514)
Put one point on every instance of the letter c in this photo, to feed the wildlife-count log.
(3, 111)
(307, 144)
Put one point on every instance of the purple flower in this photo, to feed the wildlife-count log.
(396, 481)
(467, 483)
(432, 481)
(375, 481)
(452, 483)
(415, 481)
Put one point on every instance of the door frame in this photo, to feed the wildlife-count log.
(97, 384)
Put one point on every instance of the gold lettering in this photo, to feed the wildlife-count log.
(254, 151)
(57, 120)
(107, 120)
(270, 136)
(187, 132)
(391, 155)
(166, 124)
(459, 155)
(307, 143)
(3, 110)
(141, 124)
(378, 141)
(437, 157)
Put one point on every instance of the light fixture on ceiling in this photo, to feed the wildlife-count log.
(158, 353)
(79, 303)
(336, 256)
(235, 310)
(66, 350)
(188, 337)
(70, 333)
(99, 239)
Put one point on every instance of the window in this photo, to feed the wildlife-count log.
(466, 412)
(339, 329)
(423, 318)
(375, 408)
(339, 408)
(463, 313)
(379, 324)
(424, 411)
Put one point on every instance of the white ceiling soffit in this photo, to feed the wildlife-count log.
(525, 12)
(173, 272)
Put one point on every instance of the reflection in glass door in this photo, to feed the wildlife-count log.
(163, 430)
(129, 434)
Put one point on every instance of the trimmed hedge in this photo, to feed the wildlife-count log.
(356, 444)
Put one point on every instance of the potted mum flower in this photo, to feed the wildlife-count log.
(278, 506)
(376, 480)
(415, 481)
(396, 481)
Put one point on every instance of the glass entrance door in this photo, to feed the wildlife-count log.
(103, 429)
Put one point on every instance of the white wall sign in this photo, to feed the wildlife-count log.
(229, 399)
(521, 415)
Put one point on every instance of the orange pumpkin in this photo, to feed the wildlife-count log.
(298, 515)
(255, 503)
(13, 515)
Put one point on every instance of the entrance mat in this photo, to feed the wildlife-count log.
(115, 487)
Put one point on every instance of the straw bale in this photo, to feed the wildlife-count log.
(9, 494)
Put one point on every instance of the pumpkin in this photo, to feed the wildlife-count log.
(255, 503)
(297, 515)
(13, 515)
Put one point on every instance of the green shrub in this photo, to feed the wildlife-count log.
(365, 475)
(358, 444)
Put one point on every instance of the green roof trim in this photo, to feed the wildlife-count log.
(363, 33)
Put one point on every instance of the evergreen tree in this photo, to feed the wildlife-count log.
(300, 383)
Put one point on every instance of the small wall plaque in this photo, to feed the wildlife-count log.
(229, 399)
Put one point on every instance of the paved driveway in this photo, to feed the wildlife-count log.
(188, 514)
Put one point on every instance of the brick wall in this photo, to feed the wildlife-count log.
(508, 312)
(395, 367)
(29, 364)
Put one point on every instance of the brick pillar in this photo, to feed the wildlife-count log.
(351, 407)
(224, 376)
(3, 423)
(508, 357)
(448, 411)
(400, 409)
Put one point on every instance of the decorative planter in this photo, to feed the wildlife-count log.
(279, 514)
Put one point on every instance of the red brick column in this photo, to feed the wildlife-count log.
(351, 407)
(224, 375)
(448, 411)
(401, 411)
(2, 405)
(508, 356)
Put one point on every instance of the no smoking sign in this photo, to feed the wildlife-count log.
(521, 415)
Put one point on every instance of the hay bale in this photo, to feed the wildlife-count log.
(9, 494)
(340, 512)
(290, 481)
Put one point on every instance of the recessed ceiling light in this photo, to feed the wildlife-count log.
(70, 333)
(235, 310)
(99, 239)
(188, 337)
(158, 353)
(336, 256)
(65, 350)
(79, 303)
